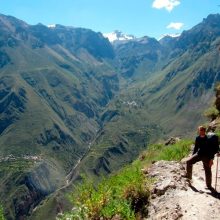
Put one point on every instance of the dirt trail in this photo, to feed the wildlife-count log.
(174, 198)
(202, 203)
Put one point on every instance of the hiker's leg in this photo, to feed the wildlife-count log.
(208, 172)
(189, 164)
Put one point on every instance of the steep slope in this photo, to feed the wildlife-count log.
(71, 102)
(139, 57)
(169, 99)
(127, 130)
(177, 93)
(155, 186)
(54, 85)
(166, 97)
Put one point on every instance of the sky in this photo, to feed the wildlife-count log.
(152, 18)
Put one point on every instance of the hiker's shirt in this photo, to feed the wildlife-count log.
(202, 148)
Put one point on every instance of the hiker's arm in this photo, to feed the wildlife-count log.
(196, 148)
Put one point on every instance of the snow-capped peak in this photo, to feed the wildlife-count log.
(51, 25)
(169, 35)
(118, 36)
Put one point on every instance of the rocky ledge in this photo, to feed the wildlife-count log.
(173, 198)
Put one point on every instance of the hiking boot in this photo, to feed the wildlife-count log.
(187, 176)
(210, 188)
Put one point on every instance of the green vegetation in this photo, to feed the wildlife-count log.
(212, 113)
(123, 194)
(124, 135)
(126, 193)
(50, 100)
(15, 166)
(218, 133)
(1, 213)
(173, 152)
(12, 172)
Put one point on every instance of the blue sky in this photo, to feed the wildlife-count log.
(138, 17)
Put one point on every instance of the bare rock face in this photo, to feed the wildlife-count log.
(170, 178)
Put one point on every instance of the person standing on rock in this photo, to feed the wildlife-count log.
(205, 149)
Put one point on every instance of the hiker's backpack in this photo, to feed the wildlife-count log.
(213, 142)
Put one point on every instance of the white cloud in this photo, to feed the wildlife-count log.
(167, 4)
(118, 35)
(175, 25)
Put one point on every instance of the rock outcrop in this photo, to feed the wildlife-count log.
(172, 140)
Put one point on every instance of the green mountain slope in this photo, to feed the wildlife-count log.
(130, 189)
(52, 94)
(139, 58)
(71, 102)
(184, 88)
(127, 130)
(170, 100)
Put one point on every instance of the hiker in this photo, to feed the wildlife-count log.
(206, 146)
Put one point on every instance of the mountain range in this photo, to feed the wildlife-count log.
(72, 102)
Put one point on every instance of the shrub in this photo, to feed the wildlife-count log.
(138, 197)
(212, 113)
(175, 152)
(1, 213)
(117, 207)
(170, 152)
(123, 195)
